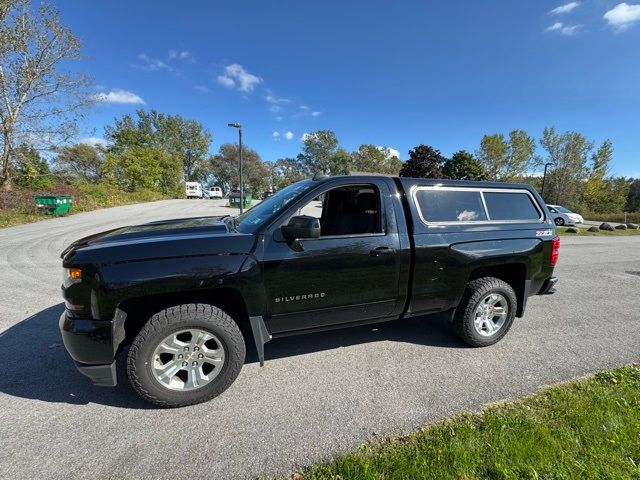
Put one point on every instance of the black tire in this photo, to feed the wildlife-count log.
(464, 317)
(559, 221)
(174, 319)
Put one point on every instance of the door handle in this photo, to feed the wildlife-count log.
(377, 252)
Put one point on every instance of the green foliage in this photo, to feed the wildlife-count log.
(463, 166)
(633, 197)
(136, 168)
(370, 158)
(604, 195)
(184, 143)
(568, 154)
(31, 170)
(80, 162)
(587, 429)
(224, 167)
(320, 153)
(286, 171)
(507, 160)
(424, 162)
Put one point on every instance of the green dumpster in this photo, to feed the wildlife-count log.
(234, 199)
(54, 204)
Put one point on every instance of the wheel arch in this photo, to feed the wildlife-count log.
(515, 274)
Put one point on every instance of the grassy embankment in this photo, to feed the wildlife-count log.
(587, 429)
(17, 206)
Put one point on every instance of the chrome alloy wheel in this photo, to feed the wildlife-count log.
(188, 359)
(490, 314)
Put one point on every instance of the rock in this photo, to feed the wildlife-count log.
(593, 229)
(572, 230)
(632, 226)
(606, 226)
(622, 226)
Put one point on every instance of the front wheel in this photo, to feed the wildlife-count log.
(185, 355)
(559, 221)
(486, 311)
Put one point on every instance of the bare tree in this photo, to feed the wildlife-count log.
(40, 103)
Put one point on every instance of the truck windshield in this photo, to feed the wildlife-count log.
(253, 218)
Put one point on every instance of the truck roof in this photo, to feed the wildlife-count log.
(408, 182)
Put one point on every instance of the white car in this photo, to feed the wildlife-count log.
(215, 192)
(564, 216)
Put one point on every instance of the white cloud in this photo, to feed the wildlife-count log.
(316, 114)
(305, 108)
(288, 135)
(226, 81)
(151, 64)
(236, 76)
(567, 30)
(183, 55)
(566, 8)
(391, 152)
(275, 100)
(95, 141)
(275, 108)
(119, 96)
(622, 16)
(275, 134)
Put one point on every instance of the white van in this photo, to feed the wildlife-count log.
(215, 192)
(194, 190)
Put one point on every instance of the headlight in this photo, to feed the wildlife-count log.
(71, 275)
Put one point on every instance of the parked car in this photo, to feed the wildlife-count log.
(215, 192)
(194, 190)
(564, 216)
(190, 295)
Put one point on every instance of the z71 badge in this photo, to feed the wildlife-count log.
(544, 233)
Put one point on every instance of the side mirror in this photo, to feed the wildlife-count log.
(300, 227)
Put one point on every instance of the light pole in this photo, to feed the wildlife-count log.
(239, 127)
(544, 177)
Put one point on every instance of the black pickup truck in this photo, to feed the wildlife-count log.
(189, 295)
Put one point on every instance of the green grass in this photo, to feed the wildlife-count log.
(18, 207)
(584, 232)
(587, 429)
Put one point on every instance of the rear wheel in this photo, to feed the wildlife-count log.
(486, 311)
(185, 355)
(559, 221)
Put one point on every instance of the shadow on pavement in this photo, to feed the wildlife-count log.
(37, 366)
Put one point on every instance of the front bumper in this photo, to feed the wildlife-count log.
(93, 344)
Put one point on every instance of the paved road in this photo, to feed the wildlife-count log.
(317, 395)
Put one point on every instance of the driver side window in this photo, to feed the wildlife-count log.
(349, 210)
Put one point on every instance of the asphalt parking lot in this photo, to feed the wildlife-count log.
(317, 395)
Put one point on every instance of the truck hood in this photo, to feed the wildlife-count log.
(164, 239)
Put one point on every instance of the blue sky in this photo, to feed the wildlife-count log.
(395, 74)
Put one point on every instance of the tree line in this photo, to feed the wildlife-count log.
(41, 105)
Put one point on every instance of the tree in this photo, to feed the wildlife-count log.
(603, 194)
(633, 196)
(225, 169)
(286, 171)
(464, 166)
(424, 162)
(370, 158)
(32, 171)
(80, 162)
(184, 141)
(39, 103)
(567, 153)
(319, 152)
(136, 168)
(507, 160)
